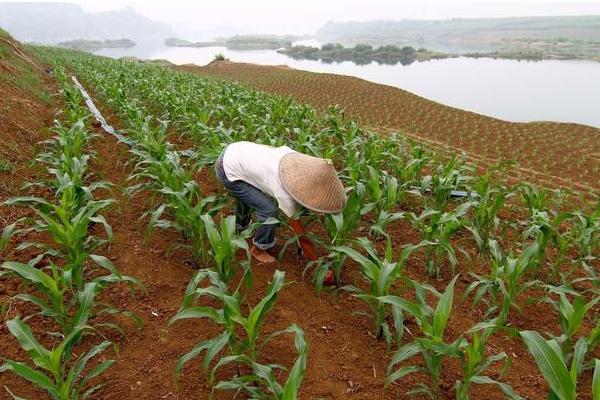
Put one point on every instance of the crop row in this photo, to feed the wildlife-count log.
(67, 274)
(561, 150)
(391, 181)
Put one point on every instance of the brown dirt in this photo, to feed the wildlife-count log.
(345, 361)
(555, 154)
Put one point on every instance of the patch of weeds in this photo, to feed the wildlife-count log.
(4, 51)
(29, 81)
(6, 166)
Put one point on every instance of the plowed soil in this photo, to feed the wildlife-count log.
(554, 154)
(345, 360)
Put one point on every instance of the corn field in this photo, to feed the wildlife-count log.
(416, 255)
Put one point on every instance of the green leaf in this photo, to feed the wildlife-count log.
(199, 312)
(38, 353)
(596, 381)
(551, 365)
(212, 346)
(400, 373)
(506, 389)
(32, 274)
(257, 314)
(81, 362)
(296, 375)
(443, 309)
(29, 374)
(404, 353)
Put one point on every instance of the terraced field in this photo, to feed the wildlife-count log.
(556, 154)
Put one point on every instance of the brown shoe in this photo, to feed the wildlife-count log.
(262, 256)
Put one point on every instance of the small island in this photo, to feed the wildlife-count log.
(95, 45)
(363, 54)
(240, 42)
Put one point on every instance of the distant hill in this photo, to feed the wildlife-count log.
(50, 23)
(461, 34)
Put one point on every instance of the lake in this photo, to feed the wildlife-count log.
(552, 90)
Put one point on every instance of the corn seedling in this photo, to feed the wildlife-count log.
(263, 382)
(430, 345)
(545, 230)
(475, 362)
(505, 280)
(571, 316)
(446, 178)
(409, 171)
(224, 243)
(381, 274)
(68, 231)
(53, 373)
(230, 317)
(340, 229)
(186, 207)
(489, 201)
(535, 198)
(437, 228)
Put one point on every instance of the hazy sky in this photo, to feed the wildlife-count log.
(306, 16)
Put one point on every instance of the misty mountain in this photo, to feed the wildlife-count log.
(460, 33)
(50, 23)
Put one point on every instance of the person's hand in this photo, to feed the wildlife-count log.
(307, 247)
(262, 256)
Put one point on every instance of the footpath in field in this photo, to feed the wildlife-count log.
(555, 154)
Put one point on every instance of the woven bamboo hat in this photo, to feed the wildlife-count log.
(312, 182)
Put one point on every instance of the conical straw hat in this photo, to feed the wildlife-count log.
(312, 182)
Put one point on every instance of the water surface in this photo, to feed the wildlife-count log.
(552, 90)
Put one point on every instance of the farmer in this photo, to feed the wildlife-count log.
(264, 178)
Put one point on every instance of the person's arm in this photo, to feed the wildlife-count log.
(308, 249)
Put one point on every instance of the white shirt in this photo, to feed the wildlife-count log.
(258, 165)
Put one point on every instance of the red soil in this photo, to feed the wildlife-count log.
(345, 361)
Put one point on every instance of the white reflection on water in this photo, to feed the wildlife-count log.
(567, 91)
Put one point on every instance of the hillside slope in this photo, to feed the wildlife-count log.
(26, 112)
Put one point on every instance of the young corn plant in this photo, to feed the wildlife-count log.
(241, 331)
(340, 229)
(182, 212)
(490, 200)
(437, 228)
(446, 178)
(68, 229)
(586, 236)
(535, 198)
(560, 374)
(381, 274)
(545, 230)
(571, 316)
(475, 362)
(431, 345)
(225, 243)
(263, 381)
(505, 282)
(55, 371)
(409, 170)
(384, 193)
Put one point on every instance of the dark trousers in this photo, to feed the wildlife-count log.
(249, 198)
